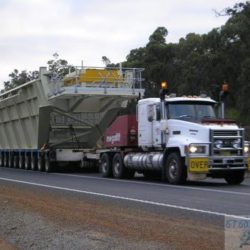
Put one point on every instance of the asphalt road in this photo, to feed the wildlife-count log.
(211, 197)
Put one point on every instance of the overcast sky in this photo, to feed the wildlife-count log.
(31, 31)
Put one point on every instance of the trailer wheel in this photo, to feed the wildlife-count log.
(33, 162)
(27, 162)
(15, 161)
(175, 169)
(105, 165)
(40, 163)
(1, 159)
(21, 160)
(6, 160)
(235, 178)
(10, 160)
(48, 165)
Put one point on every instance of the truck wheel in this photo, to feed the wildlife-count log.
(27, 162)
(119, 170)
(33, 163)
(235, 178)
(105, 165)
(117, 166)
(40, 163)
(175, 169)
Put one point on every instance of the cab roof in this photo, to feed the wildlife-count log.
(171, 99)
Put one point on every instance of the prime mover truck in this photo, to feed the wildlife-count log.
(50, 121)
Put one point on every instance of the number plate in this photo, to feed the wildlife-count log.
(198, 165)
(225, 153)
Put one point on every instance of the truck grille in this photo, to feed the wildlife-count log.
(227, 142)
(226, 132)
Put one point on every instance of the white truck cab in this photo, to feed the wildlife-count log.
(184, 135)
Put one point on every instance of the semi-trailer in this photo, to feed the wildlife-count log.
(50, 121)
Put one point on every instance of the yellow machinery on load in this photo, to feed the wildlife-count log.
(94, 76)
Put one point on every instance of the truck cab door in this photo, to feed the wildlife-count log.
(156, 126)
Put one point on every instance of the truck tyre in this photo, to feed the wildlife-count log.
(33, 162)
(176, 172)
(119, 170)
(40, 163)
(118, 167)
(235, 178)
(105, 165)
(27, 162)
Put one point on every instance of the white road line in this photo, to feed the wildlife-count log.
(129, 199)
(156, 184)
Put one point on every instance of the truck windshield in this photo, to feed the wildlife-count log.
(191, 111)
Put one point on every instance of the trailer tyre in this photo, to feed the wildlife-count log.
(33, 162)
(105, 165)
(11, 159)
(1, 159)
(40, 163)
(235, 178)
(6, 160)
(27, 162)
(21, 160)
(48, 165)
(176, 172)
(16, 161)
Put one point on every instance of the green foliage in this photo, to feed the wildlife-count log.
(58, 67)
(201, 63)
(19, 78)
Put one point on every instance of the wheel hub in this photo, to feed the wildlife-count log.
(173, 169)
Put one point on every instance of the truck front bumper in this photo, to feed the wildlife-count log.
(208, 165)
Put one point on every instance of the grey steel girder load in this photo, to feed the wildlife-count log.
(47, 111)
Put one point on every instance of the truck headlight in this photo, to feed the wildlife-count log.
(236, 144)
(198, 149)
(218, 143)
(247, 148)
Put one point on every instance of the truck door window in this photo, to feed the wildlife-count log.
(158, 111)
(150, 113)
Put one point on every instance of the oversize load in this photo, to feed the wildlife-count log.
(198, 165)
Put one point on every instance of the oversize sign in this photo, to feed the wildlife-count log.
(198, 165)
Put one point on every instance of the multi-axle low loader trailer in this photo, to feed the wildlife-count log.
(51, 121)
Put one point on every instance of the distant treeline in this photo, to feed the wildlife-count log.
(202, 63)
